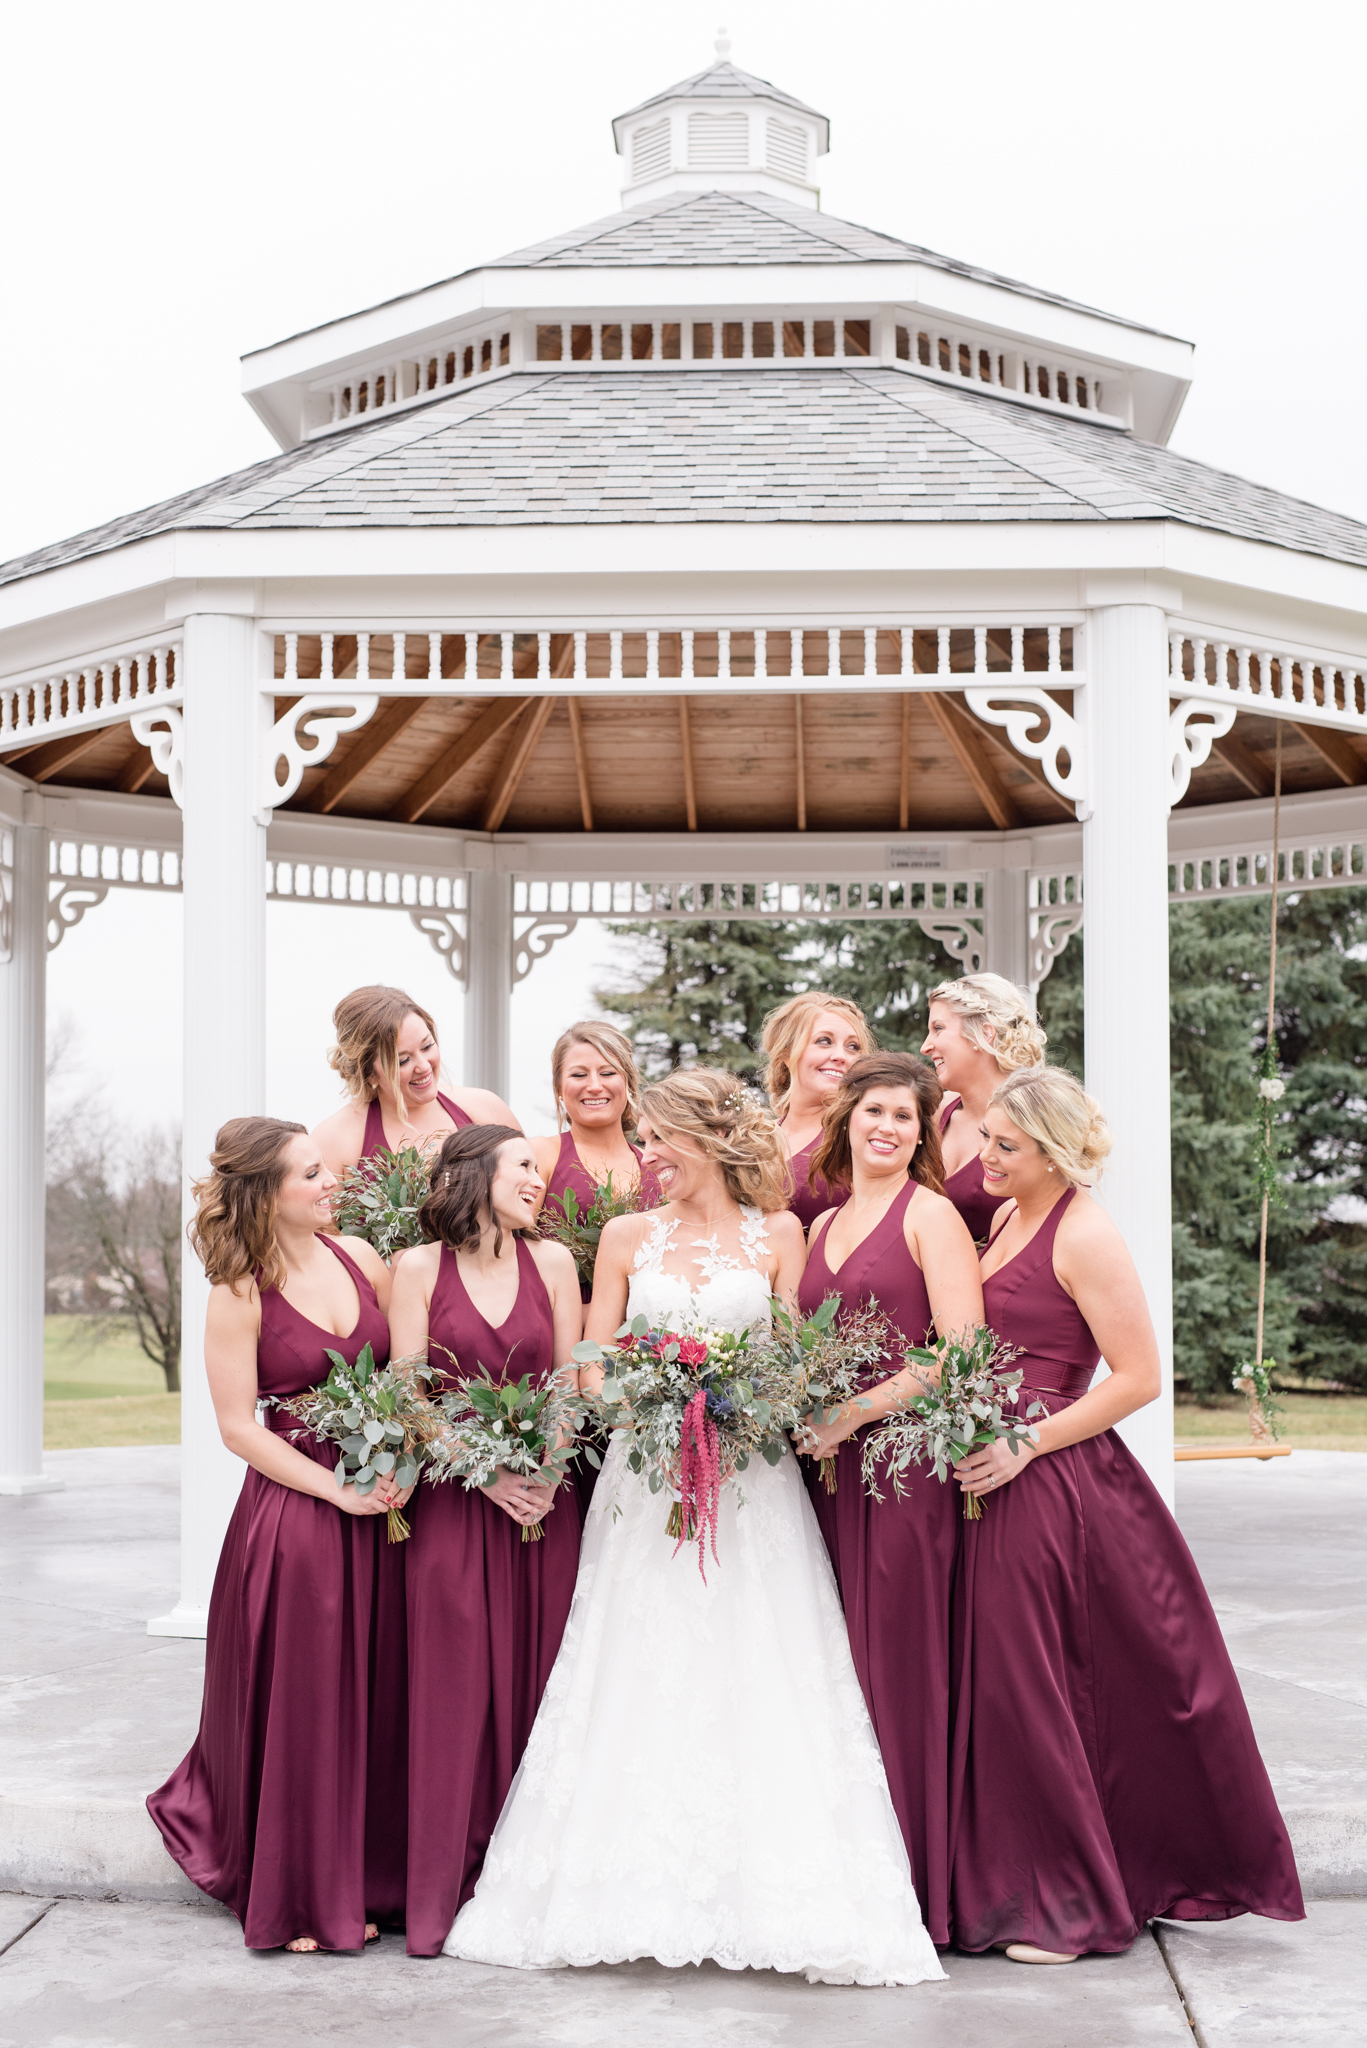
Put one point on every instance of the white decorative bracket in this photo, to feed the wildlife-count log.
(961, 940)
(1050, 931)
(321, 717)
(446, 933)
(164, 733)
(1189, 745)
(535, 941)
(68, 899)
(1020, 707)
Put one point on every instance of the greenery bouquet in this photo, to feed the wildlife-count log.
(379, 1199)
(581, 1229)
(968, 1390)
(830, 1361)
(484, 1426)
(371, 1414)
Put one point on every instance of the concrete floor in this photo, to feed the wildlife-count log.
(93, 1712)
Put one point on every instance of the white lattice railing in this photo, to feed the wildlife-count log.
(402, 379)
(1309, 686)
(82, 870)
(1317, 863)
(102, 690)
(382, 888)
(856, 900)
(1012, 371)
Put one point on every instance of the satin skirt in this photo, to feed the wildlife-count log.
(1104, 1768)
(268, 1813)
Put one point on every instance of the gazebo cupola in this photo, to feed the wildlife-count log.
(721, 131)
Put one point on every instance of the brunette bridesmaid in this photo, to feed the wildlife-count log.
(895, 1241)
(809, 1043)
(980, 1028)
(486, 1611)
(598, 1097)
(389, 1060)
(268, 1811)
(1105, 1771)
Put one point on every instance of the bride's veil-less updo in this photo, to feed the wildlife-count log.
(989, 999)
(729, 1125)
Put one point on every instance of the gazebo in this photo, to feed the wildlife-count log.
(719, 557)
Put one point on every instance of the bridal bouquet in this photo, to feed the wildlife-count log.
(379, 1199)
(830, 1361)
(968, 1388)
(581, 1229)
(371, 1415)
(484, 1425)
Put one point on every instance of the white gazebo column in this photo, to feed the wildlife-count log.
(23, 981)
(1125, 984)
(1006, 919)
(225, 1030)
(489, 980)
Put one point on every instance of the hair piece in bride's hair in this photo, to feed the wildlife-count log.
(233, 1228)
(461, 1203)
(368, 1023)
(833, 1160)
(728, 1125)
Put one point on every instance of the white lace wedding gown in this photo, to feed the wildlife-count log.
(702, 1779)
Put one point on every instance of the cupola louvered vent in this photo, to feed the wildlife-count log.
(786, 150)
(650, 152)
(718, 142)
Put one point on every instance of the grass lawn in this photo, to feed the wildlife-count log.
(1315, 1422)
(99, 1389)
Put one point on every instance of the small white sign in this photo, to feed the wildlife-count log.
(916, 856)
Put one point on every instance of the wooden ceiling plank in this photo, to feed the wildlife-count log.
(370, 743)
(1250, 768)
(57, 754)
(801, 765)
(433, 783)
(966, 741)
(904, 771)
(1332, 747)
(514, 764)
(137, 769)
(686, 747)
(581, 762)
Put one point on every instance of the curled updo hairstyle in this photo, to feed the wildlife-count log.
(788, 1032)
(610, 1044)
(989, 1000)
(832, 1160)
(461, 1203)
(1048, 1105)
(729, 1126)
(368, 1023)
(233, 1228)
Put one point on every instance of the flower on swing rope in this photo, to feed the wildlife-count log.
(1272, 1089)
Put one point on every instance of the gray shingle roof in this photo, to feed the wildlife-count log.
(721, 81)
(841, 444)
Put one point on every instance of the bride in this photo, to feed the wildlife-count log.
(702, 1780)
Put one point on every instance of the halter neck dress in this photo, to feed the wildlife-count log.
(268, 1812)
(894, 1562)
(486, 1612)
(811, 1198)
(374, 1139)
(966, 1190)
(1104, 1768)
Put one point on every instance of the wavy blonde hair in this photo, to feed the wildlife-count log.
(729, 1126)
(979, 1000)
(1050, 1106)
(368, 1023)
(233, 1228)
(788, 1032)
(610, 1044)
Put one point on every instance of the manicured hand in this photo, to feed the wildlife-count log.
(993, 1466)
(523, 1499)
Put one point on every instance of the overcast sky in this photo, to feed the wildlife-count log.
(187, 182)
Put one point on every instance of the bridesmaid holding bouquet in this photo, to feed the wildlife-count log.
(390, 1063)
(980, 1029)
(809, 1044)
(268, 1811)
(1105, 1771)
(486, 1611)
(898, 1242)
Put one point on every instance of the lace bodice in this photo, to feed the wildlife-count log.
(728, 1295)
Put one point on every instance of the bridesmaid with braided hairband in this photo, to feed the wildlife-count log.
(980, 1030)
(809, 1044)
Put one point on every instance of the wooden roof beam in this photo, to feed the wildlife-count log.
(514, 763)
(581, 761)
(436, 780)
(370, 743)
(686, 750)
(966, 736)
(801, 751)
(1331, 746)
(1250, 768)
(44, 762)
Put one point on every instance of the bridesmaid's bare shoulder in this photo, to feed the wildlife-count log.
(364, 1255)
(815, 1228)
(482, 1106)
(553, 1261)
(1085, 1232)
(339, 1137)
(545, 1151)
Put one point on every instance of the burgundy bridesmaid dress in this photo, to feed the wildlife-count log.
(1105, 1770)
(268, 1811)
(486, 1612)
(894, 1561)
(812, 1198)
(965, 1188)
(374, 1139)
